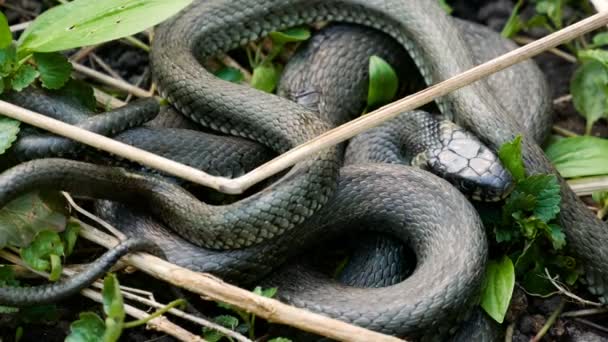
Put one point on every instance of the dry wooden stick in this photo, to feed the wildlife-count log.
(215, 289)
(330, 138)
(108, 80)
(588, 185)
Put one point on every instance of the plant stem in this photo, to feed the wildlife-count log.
(550, 322)
(157, 313)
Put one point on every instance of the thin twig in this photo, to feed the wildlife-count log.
(562, 99)
(585, 312)
(93, 217)
(509, 332)
(106, 67)
(20, 27)
(215, 289)
(552, 319)
(567, 293)
(563, 131)
(330, 138)
(83, 53)
(559, 53)
(106, 100)
(110, 81)
(591, 324)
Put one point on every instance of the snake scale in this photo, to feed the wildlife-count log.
(315, 198)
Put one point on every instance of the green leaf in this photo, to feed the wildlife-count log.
(383, 83)
(85, 22)
(553, 10)
(447, 8)
(9, 129)
(40, 251)
(54, 69)
(557, 237)
(514, 23)
(70, 235)
(588, 88)
(265, 77)
(26, 216)
(112, 298)
(269, 292)
(79, 93)
(546, 189)
(56, 267)
(516, 202)
(6, 37)
(230, 74)
(89, 328)
(291, 35)
(279, 339)
(227, 321)
(510, 156)
(24, 76)
(8, 60)
(579, 156)
(498, 288)
(600, 39)
(589, 55)
(600, 197)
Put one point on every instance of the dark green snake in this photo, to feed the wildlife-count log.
(390, 199)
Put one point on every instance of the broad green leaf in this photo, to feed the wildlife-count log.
(600, 39)
(24, 217)
(9, 129)
(24, 76)
(230, 74)
(553, 10)
(292, 35)
(54, 69)
(546, 190)
(265, 77)
(38, 254)
(79, 93)
(383, 83)
(510, 156)
(579, 156)
(600, 197)
(6, 37)
(89, 328)
(593, 54)
(498, 288)
(514, 23)
(589, 94)
(85, 22)
(112, 298)
(447, 8)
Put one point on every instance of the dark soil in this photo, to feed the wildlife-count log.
(527, 314)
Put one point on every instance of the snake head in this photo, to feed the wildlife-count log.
(463, 160)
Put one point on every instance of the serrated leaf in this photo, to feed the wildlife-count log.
(39, 252)
(510, 156)
(9, 129)
(557, 237)
(546, 189)
(498, 288)
(230, 74)
(383, 83)
(112, 298)
(291, 35)
(531, 227)
(54, 69)
(8, 59)
(589, 55)
(589, 92)
(518, 201)
(89, 328)
(265, 77)
(514, 24)
(579, 156)
(23, 77)
(26, 216)
(553, 10)
(227, 321)
(85, 22)
(6, 37)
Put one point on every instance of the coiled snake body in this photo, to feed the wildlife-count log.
(272, 225)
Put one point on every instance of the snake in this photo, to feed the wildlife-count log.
(439, 51)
